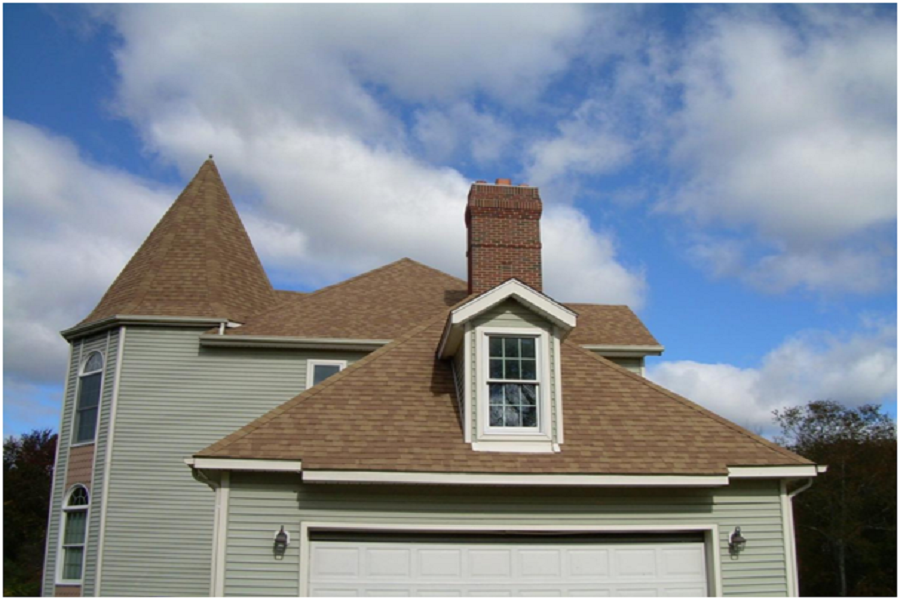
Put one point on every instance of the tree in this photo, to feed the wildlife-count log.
(27, 475)
(846, 523)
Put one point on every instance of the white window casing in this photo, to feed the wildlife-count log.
(89, 374)
(485, 432)
(312, 363)
(73, 535)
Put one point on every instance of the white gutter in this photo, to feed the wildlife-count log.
(798, 471)
(260, 341)
(244, 464)
(506, 479)
(140, 320)
(624, 351)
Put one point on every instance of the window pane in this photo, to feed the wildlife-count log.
(78, 497)
(528, 347)
(496, 393)
(529, 369)
(94, 363)
(512, 417)
(529, 417)
(323, 372)
(511, 347)
(76, 522)
(496, 346)
(86, 425)
(72, 563)
(511, 391)
(496, 368)
(89, 396)
(529, 395)
(496, 416)
(512, 369)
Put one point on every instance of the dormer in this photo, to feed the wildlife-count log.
(504, 349)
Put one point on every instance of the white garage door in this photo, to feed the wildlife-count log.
(373, 568)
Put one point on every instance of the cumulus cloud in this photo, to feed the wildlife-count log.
(788, 137)
(853, 369)
(70, 226)
(327, 156)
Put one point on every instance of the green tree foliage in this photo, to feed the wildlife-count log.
(27, 474)
(846, 523)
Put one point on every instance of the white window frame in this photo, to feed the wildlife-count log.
(485, 431)
(61, 554)
(81, 375)
(312, 363)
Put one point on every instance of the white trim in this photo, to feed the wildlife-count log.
(624, 351)
(220, 535)
(266, 341)
(62, 414)
(83, 373)
(772, 472)
(537, 446)
(467, 367)
(141, 320)
(114, 403)
(244, 464)
(790, 550)
(507, 479)
(544, 306)
(710, 534)
(60, 550)
(557, 380)
(312, 363)
(485, 431)
(96, 457)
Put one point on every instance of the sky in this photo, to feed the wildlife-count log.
(729, 172)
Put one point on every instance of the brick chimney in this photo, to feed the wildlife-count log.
(504, 234)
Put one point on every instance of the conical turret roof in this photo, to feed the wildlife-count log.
(197, 262)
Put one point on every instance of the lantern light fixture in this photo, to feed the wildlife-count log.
(736, 542)
(282, 540)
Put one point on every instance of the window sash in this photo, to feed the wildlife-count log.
(511, 415)
(87, 407)
(73, 563)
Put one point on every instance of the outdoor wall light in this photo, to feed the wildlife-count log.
(736, 542)
(282, 541)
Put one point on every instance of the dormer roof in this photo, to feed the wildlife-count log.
(197, 262)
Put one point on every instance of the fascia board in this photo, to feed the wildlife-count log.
(773, 472)
(515, 480)
(624, 351)
(118, 320)
(247, 341)
(244, 464)
(550, 309)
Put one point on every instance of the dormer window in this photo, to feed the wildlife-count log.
(513, 385)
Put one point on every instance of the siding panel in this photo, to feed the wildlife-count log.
(261, 503)
(176, 398)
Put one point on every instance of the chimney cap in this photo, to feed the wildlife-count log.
(504, 182)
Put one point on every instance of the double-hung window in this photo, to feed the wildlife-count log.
(513, 382)
(88, 404)
(75, 517)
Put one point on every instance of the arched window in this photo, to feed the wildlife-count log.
(88, 405)
(75, 515)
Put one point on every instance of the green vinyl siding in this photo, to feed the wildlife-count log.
(635, 365)
(176, 398)
(79, 351)
(260, 503)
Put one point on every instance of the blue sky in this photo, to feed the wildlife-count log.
(729, 172)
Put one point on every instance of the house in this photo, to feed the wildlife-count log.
(403, 432)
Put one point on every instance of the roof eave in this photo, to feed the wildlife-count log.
(118, 320)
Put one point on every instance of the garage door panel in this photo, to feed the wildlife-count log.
(514, 568)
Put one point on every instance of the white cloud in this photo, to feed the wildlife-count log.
(69, 228)
(852, 369)
(460, 128)
(789, 135)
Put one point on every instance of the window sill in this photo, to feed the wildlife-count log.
(80, 445)
(518, 446)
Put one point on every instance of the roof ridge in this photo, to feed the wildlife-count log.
(690, 404)
(311, 392)
(430, 268)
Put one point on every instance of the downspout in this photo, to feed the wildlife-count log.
(790, 536)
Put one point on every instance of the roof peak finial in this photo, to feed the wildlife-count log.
(210, 157)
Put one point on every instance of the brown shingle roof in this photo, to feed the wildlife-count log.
(198, 261)
(395, 410)
(609, 324)
(385, 302)
(380, 304)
